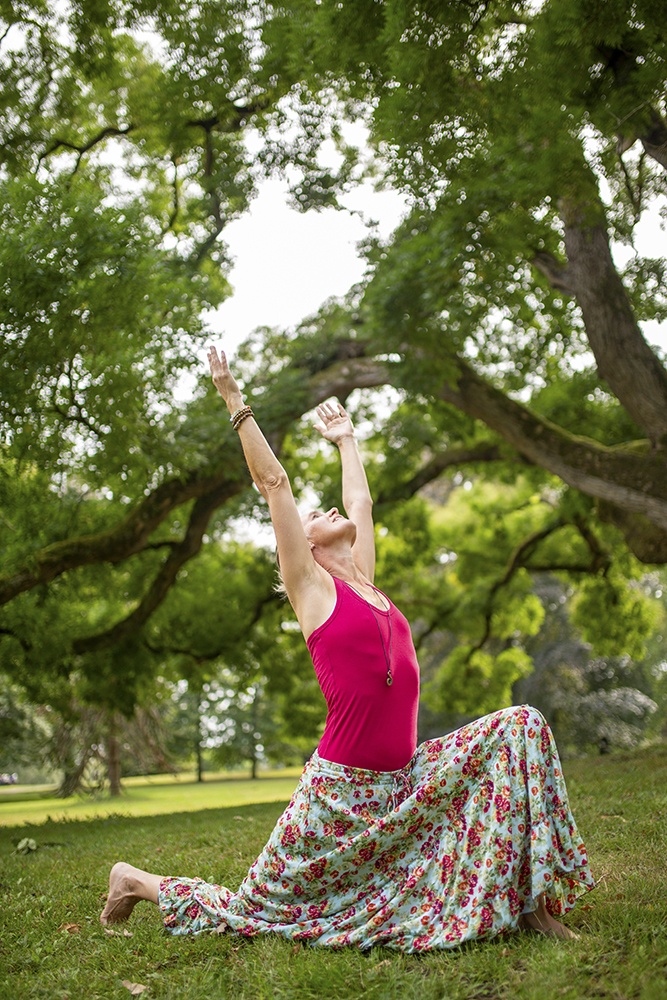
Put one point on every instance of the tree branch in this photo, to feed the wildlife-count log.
(483, 452)
(23, 643)
(600, 556)
(76, 418)
(559, 568)
(634, 482)
(600, 562)
(654, 139)
(166, 576)
(226, 473)
(215, 654)
(235, 120)
(105, 133)
(635, 198)
(216, 210)
(522, 552)
(176, 204)
(556, 273)
(114, 545)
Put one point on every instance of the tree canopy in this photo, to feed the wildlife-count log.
(530, 140)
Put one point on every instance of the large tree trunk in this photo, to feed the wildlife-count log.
(113, 758)
(198, 753)
(253, 720)
(625, 361)
(72, 777)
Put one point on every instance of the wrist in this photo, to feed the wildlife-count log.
(234, 402)
(346, 440)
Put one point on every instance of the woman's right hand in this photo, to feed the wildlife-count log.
(223, 379)
(336, 423)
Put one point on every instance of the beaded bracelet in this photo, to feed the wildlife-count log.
(242, 418)
(239, 416)
(236, 413)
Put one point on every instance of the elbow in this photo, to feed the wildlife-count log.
(274, 483)
(360, 503)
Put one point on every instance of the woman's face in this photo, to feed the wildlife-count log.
(324, 527)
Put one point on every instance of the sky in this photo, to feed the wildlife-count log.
(287, 263)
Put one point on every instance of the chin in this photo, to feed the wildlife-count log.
(351, 530)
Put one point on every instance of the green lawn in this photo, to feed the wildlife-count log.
(52, 946)
(148, 797)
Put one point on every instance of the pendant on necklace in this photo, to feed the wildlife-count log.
(390, 680)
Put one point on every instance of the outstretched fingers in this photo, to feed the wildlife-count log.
(217, 364)
(327, 413)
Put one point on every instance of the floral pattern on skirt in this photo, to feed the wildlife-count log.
(454, 846)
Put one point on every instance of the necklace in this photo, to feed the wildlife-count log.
(387, 656)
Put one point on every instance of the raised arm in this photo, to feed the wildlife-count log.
(308, 586)
(337, 427)
(265, 469)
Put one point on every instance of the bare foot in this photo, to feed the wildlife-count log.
(541, 922)
(122, 896)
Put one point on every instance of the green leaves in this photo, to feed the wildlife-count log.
(473, 682)
(615, 616)
(94, 320)
(124, 151)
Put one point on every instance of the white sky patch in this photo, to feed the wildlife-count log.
(287, 263)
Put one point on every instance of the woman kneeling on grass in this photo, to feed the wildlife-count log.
(384, 842)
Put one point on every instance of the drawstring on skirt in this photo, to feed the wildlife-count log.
(401, 788)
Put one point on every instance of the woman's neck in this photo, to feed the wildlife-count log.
(343, 566)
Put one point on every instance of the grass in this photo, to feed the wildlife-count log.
(148, 797)
(52, 946)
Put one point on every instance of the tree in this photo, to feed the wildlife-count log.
(24, 730)
(120, 170)
(505, 123)
(528, 140)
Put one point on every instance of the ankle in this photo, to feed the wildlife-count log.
(126, 874)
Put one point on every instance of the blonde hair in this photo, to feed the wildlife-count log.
(279, 586)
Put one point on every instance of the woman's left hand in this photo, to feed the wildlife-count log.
(336, 424)
(223, 379)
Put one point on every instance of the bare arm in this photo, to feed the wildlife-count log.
(309, 587)
(337, 427)
(265, 469)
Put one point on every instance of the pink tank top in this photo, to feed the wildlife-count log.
(369, 724)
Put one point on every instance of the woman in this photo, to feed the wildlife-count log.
(383, 842)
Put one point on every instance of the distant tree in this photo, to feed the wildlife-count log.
(24, 731)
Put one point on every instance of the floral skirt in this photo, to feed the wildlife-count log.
(454, 846)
